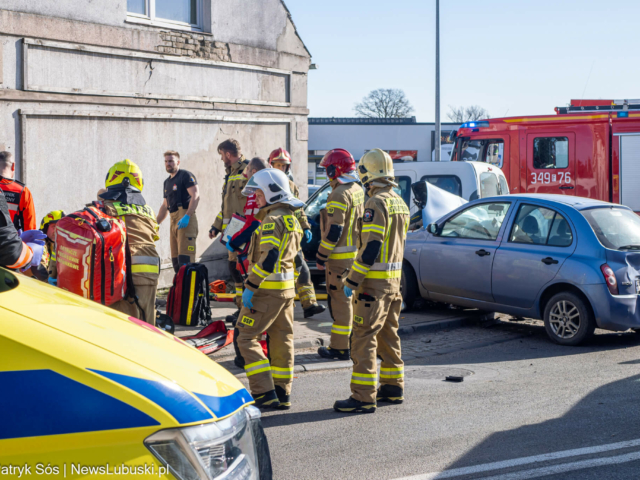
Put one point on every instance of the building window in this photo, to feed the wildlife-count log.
(182, 14)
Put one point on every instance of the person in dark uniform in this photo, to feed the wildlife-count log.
(181, 198)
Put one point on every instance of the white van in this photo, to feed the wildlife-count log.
(469, 180)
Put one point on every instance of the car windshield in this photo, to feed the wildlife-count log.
(616, 228)
(318, 201)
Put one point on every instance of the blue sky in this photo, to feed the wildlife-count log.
(512, 57)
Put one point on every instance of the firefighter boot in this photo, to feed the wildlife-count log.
(390, 394)
(333, 354)
(267, 400)
(351, 405)
(233, 318)
(314, 310)
(285, 400)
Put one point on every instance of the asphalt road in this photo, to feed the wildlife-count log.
(527, 409)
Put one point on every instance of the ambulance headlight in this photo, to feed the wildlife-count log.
(223, 450)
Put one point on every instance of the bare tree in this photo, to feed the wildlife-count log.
(384, 103)
(467, 114)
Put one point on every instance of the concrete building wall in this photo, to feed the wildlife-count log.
(81, 88)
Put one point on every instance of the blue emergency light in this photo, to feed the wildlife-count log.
(623, 114)
(478, 124)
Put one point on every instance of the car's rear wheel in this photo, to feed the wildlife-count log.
(408, 286)
(568, 319)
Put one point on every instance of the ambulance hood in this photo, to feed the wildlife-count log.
(73, 342)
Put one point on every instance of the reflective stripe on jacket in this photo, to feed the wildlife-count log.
(233, 201)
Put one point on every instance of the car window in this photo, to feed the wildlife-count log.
(489, 186)
(550, 152)
(318, 201)
(616, 228)
(404, 188)
(480, 222)
(540, 226)
(449, 183)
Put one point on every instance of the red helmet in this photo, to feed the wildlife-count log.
(338, 162)
(280, 155)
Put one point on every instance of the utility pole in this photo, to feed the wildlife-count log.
(438, 132)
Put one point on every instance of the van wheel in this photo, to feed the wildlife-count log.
(568, 319)
(408, 286)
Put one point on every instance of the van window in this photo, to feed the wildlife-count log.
(550, 152)
(504, 188)
(489, 186)
(404, 188)
(449, 183)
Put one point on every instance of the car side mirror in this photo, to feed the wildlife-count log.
(432, 228)
(420, 194)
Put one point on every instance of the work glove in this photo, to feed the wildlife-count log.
(53, 281)
(307, 235)
(230, 247)
(38, 250)
(33, 236)
(184, 221)
(348, 292)
(247, 295)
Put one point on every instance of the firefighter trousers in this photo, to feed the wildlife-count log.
(182, 241)
(146, 291)
(375, 332)
(340, 306)
(273, 315)
(304, 286)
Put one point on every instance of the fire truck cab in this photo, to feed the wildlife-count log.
(589, 149)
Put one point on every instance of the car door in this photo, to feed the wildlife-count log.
(539, 240)
(457, 260)
(551, 163)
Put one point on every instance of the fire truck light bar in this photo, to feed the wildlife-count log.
(478, 124)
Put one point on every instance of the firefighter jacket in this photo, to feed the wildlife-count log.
(233, 201)
(273, 249)
(51, 260)
(345, 205)
(20, 203)
(299, 214)
(378, 265)
(142, 234)
(13, 252)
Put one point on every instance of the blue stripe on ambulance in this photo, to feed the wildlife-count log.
(223, 406)
(173, 398)
(36, 403)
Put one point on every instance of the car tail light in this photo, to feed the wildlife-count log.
(610, 279)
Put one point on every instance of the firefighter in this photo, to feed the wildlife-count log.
(233, 202)
(375, 281)
(269, 292)
(49, 220)
(338, 245)
(123, 198)
(16, 251)
(281, 160)
(18, 196)
(181, 198)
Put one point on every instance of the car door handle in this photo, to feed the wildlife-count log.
(567, 187)
(549, 261)
(482, 253)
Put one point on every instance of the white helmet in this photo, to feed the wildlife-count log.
(275, 186)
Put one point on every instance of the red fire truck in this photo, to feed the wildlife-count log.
(590, 149)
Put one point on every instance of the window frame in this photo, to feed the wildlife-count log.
(555, 167)
(546, 243)
(502, 225)
(151, 19)
(456, 177)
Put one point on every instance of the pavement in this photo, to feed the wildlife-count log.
(311, 333)
(527, 408)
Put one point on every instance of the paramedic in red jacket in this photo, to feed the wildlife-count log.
(18, 196)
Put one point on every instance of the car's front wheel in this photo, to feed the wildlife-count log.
(408, 286)
(568, 319)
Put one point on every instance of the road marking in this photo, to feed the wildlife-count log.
(516, 462)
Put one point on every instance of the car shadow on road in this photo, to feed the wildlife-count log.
(595, 420)
(295, 418)
(520, 341)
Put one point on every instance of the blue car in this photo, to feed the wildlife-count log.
(573, 262)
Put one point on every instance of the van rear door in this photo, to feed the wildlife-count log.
(551, 159)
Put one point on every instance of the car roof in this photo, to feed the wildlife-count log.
(579, 203)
